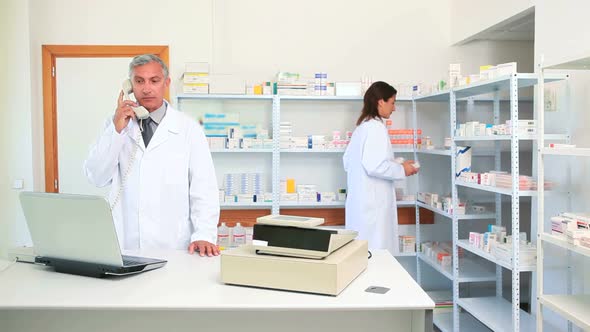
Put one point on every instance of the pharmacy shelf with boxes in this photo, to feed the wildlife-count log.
(565, 235)
(495, 84)
(281, 137)
(197, 79)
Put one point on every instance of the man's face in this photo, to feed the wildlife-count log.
(149, 85)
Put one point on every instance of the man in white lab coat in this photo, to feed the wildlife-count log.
(164, 190)
(369, 163)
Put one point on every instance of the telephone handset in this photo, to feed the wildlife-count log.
(140, 111)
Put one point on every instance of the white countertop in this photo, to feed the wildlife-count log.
(193, 283)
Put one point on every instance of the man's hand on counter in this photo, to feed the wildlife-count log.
(204, 248)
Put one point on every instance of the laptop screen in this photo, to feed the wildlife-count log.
(72, 227)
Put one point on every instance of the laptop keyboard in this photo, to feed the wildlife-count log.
(132, 260)
(129, 262)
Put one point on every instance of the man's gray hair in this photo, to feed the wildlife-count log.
(143, 59)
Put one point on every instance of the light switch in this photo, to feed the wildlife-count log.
(18, 184)
(550, 100)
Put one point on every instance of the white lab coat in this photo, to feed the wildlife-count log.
(170, 195)
(370, 203)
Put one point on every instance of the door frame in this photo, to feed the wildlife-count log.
(50, 53)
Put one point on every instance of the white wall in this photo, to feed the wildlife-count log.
(15, 117)
(396, 41)
(561, 30)
(469, 17)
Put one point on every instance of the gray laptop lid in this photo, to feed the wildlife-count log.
(72, 227)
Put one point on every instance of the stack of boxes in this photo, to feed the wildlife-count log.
(286, 131)
(524, 127)
(290, 84)
(475, 128)
(498, 244)
(320, 142)
(441, 203)
(196, 78)
(502, 179)
(440, 252)
(307, 193)
(304, 193)
(224, 131)
(244, 188)
(454, 74)
(573, 227)
(407, 243)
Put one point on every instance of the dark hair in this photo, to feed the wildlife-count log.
(377, 91)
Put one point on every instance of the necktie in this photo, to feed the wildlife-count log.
(147, 132)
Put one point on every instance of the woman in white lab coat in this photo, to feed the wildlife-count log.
(369, 163)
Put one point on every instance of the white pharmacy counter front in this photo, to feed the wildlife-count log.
(187, 295)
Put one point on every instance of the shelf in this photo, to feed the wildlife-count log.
(328, 98)
(336, 98)
(555, 240)
(476, 216)
(551, 137)
(405, 203)
(435, 151)
(504, 191)
(483, 254)
(574, 308)
(223, 96)
(581, 152)
(437, 96)
(245, 206)
(402, 150)
(459, 216)
(241, 151)
(493, 138)
(302, 150)
(435, 210)
(496, 313)
(444, 322)
(469, 270)
(502, 83)
(308, 205)
(405, 254)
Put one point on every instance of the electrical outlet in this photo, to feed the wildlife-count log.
(18, 184)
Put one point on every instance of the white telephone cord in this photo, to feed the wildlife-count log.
(129, 167)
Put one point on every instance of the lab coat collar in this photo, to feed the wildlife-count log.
(170, 125)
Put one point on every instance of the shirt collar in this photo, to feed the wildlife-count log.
(159, 114)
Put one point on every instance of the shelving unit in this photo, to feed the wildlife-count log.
(471, 271)
(444, 322)
(276, 102)
(483, 254)
(482, 308)
(494, 313)
(575, 308)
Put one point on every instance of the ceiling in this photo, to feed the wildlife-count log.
(520, 27)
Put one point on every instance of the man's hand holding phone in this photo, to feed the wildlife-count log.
(123, 113)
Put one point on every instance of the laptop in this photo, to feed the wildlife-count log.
(76, 234)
